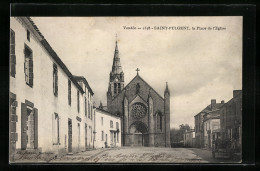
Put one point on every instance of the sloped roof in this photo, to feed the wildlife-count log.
(208, 108)
(53, 54)
(107, 113)
(85, 81)
(138, 76)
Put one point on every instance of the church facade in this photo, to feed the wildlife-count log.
(145, 114)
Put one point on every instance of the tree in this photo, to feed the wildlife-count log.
(177, 134)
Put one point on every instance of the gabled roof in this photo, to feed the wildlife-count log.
(52, 53)
(78, 78)
(107, 113)
(138, 76)
(208, 108)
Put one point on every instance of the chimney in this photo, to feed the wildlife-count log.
(222, 101)
(213, 104)
(236, 92)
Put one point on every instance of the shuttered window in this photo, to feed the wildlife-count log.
(117, 125)
(12, 54)
(55, 80)
(69, 92)
(88, 110)
(111, 124)
(28, 66)
(78, 101)
(85, 106)
(28, 35)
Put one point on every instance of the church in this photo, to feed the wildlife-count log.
(145, 113)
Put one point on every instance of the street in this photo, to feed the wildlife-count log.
(141, 155)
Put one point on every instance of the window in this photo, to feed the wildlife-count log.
(102, 136)
(91, 112)
(69, 92)
(117, 125)
(119, 87)
(102, 120)
(137, 88)
(12, 54)
(115, 88)
(28, 66)
(28, 35)
(55, 80)
(85, 106)
(91, 133)
(111, 124)
(56, 129)
(78, 100)
(88, 110)
(117, 137)
(159, 122)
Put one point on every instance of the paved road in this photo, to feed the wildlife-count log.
(142, 154)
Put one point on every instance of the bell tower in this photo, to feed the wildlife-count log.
(116, 78)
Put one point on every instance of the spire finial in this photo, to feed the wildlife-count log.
(137, 69)
(116, 38)
(166, 89)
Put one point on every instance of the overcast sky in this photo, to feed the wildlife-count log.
(199, 65)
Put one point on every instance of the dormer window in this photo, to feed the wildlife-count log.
(28, 35)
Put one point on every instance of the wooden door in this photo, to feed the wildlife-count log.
(70, 136)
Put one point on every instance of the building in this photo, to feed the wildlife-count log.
(145, 114)
(231, 120)
(107, 129)
(189, 138)
(211, 125)
(46, 101)
(88, 111)
(200, 134)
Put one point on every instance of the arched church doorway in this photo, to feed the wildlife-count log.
(139, 134)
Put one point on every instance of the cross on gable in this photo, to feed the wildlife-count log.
(137, 69)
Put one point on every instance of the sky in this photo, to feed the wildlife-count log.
(199, 65)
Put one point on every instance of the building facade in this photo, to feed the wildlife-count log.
(231, 120)
(211, 127)
(107, 129)
(46, 101)
(145, 114)
(189, 138)
(201, 129)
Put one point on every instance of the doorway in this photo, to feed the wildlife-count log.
(70, 136)
(30, 126)
(139, 134)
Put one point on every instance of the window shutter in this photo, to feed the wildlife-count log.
(23, 126)
(56, 84)
(59, 121)
(31, 72)
(35, 111)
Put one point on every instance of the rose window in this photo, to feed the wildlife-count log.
(138, 110)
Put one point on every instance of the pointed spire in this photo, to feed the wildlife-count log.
(116, 68)
(166, 89)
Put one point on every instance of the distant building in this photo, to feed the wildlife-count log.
(47, 103)
(231, 120)
(107, 129)
(211, 124)
(201, 131)
(189, 138)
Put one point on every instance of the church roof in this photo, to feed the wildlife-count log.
(116, 68)
(138, 76)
